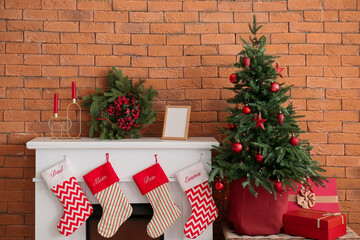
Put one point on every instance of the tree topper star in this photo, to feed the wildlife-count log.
(260, 122)
(279, 70)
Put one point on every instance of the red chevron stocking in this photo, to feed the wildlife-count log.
(77, 207)
(194, 181)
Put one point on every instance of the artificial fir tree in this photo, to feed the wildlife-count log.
(262, 139)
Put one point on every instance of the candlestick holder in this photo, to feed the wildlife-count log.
(61, 121)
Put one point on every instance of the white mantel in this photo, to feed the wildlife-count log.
(128, 157)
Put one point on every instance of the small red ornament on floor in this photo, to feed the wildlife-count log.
(232, 78)
(259, 157)
(231, 126)
(294, 141)
(246, 110)
(280, 118)
(279, 187)
(246, 61)
(237, 147)
(219, 186)
(260, 122)
(274, 87)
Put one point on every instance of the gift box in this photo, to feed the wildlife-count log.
(315, 198)
(315, 224)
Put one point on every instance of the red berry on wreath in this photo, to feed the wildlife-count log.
(259, 157)
(294, 141)
(246, 61)
(246, 110)
(278, 186)
(231, 126)
(237, 147)
(219, 186)
(274, 87)
(233, 78)
(280, 118)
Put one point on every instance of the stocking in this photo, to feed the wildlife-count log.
(152, 183)
(194, 181)
(103, 183)
(77, 208)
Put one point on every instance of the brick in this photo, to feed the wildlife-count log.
(216, 17)
(203, 116)
(130, 50)
(201, 28)
(11, 219)
(296, 81)
(339, 27)
(270, 6)
(76, 60)
(42, 37)
(226, 71)
(132, 27)
(165, 73)
(96, 49)
(218, 60)
(331, 49)
(214, 105)
(77, 37)
(59, 48)
(41, 59)
(77, 15)
(6, 196)
(348, 183)
(217, 39)
(323, 38)
(23, 47)
(306, 27)
(350, 60)
(327, 104)
(350, 104)
(288, 38)
(352, 172)
(155, 83)
(183, 39)
(38, 104)
(22, 70)
(21, 207)
(52, 71)
(351, 127)
(274, 28)
(10, 14)
(342, 94)
(59, 4)
(339, 4)
(144, 39)
(97, 27)
(323, 60)
(328, 149)
(26, 93)
(305, 71)
(349, 38)
(349, 16)
(203, 6)
(113, 38)
(147, 17)
(226, 6)
(346, 161)
(352, 195)
(148, 62)
(181, 17)
(21, 138)
(321, 16)
(304, 4)
(131, 6)
(291, 60)
(352, 150)
(11, 36)
(350, 83)
(200, 72)
(11, 59)
(169, 51)
(285, 17)
(200, 50)
(11, 82)
(315, 137)
(61, 26)
(178, 94)
(11, 150)
(277, 49)
(232, 28)
(248, 17)
(340, 71)
(11, 127)
(351, 138)
(324, 126)
(18, 4)
(155, 6)
(202, 94)
(322, 82)
(183, 61)
(341, 116)
(91, 5)
(229, 49)
(184, 83)
(44, 15)
(136, 72)
(307, 93)
(80, 82)
(166, 28)
(306, 49)
(24, 25)
(311, 115)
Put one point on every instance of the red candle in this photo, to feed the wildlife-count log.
(56, 102)
(73, 90)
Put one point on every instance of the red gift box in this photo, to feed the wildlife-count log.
(316, 198)
(315, 224)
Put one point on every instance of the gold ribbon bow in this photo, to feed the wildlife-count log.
(305, 199)
(328, 215)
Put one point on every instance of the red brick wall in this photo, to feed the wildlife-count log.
(185, 49)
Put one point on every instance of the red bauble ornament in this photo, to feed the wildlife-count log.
(280, 118)
(259, 157)
(219, 186)
(246, 110)
(233, 78)
(278, 186)
(237, 147)
(231, 126)
(246, 61)
(294, 141)
(274, 87)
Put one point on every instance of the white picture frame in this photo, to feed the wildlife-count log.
(176, 122)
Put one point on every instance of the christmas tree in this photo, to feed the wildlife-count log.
(262, 139)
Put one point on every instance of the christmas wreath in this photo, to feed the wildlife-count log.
(123, 111)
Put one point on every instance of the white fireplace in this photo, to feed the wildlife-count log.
(127, 157)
